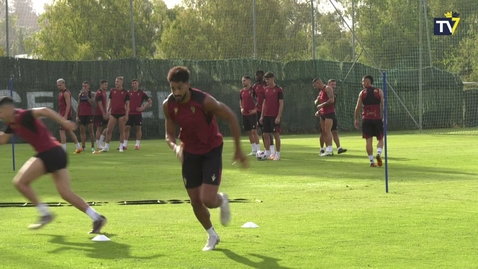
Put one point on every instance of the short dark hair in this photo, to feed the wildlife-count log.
(134, 79)
(259, 72)
(247, 77)
(86, 82)
(269, 75)
(369, 77)
(331, 80)
(178, 74)
(6, 100)
(316, 79)
(103, 81)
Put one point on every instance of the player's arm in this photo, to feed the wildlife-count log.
(67, 97)
(280, 96)
(99, 104)
(5, 135)
(224, 112)
(78, 106)
(240, 102)
(170, 127)
(263, 107)
(149, 103)
(48, 113)
(330, 95)
(358, 107)
(316, 102)
(108, 109)
(382, 103)
(91, 99)
(126, 104)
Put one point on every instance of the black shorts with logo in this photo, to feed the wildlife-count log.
(53, 159)
(85, 120)
(99, 121)
(371, 128)
(135, 120)
(270, 126)
(249, 122)
(201, 169)
(334, 120)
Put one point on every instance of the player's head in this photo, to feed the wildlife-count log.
(60, 83)
(85, 86)
(103, 84)
(259, 76)
(7, 109)
(367, 81)
(178, 78)
(332, 83)
(317, 83)
(135, 84)
(246, 81)
(119, 82)
(270, 80)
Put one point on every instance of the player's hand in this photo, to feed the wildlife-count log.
(356, 124)
(277, 120)
(319, 106)
(240, 157)
(69, 125)
(317, 113)
(242, 110)
(261, 120)
(126, 118)
(252, 112)
(178, 150)
(140, 109)
(77, 119)
(105, 116)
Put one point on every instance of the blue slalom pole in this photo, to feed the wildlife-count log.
(13, 137)
(384, 89)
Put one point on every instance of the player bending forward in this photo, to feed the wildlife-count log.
(371, 99)
(50, 158)
(200, 151)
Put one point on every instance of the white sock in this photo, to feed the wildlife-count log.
(92, 214)
(137, 143)
(107, 145)
(258, 147)
(379, 150)
(268, 153)
(370, 157)
(43, 209)
(211, 232)
(98, 143)
(78, 145)
(63, 146)
(322, 149)
(102, 138)
(339, 148)
(125, 143)
(329, 149)
(272, 149)
(277, 154)
(253, 146)
(121, 146)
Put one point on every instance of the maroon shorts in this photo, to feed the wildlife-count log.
(201, 169)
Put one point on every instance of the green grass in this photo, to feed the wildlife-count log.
(316, 212)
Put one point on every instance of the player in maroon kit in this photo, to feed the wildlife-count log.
(101, 114)
(258, 88)
(249, 111)
(86, 101)
(200, 151)
(119, 110)
(272, 107)
(64, 104)
(370, 100)
(326, 112)
(136, 99)
(50, 158)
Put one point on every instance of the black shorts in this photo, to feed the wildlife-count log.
(135, 120)
(249, 122)
(85, 120)
(117, 116)
(371, 128)
(53, 159)
(270, 126)
(100, 122)
(201, 169)
(258, 117)
(334, 120)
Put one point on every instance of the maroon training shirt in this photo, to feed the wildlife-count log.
(272, 95)
(62, 104)
(136, 99)
(371, 104)
(118, 100)
(247, 100)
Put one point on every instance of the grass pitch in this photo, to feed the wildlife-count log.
(316, 212)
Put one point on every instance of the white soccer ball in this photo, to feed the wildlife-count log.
(261, 155)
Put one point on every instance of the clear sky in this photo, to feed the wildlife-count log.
(38, 4)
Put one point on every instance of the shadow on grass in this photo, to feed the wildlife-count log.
(267, 262)
(97, 250)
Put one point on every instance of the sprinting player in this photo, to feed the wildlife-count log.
(272, 107)
(249, 111)
(326, 112)
(86, 101)
(118, 107)
(258, 88)
(370, 100)
(200, 151)
(335, 133)
(101, 114)
(64, 105)
(50, 158)
(136, 99)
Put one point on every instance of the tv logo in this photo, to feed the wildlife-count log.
(447, 25)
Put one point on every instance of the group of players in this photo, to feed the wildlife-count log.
(124, 109)
(200, 150)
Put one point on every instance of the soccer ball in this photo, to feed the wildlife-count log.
(261, 155)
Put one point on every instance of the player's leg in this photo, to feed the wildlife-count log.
(63, 138)
(321, 139)
(127, 130)
(247, 127)
(139, 135)
(91, 134)
(121, 126)
(379, 135)
(109, 132)
(31, 170)
(255, 136)
(83, 132)
(276, 135)
(335, 135)
(326, 124)
(367, 133)
(73, 137)
(267, 132)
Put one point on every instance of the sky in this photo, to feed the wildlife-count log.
(38, 4)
